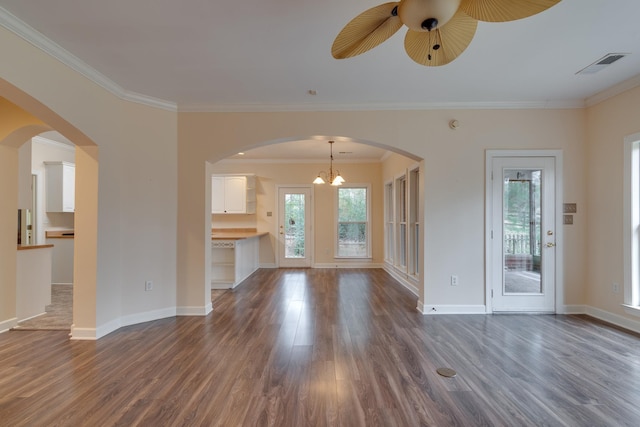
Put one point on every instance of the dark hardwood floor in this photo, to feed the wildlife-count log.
(325, 347)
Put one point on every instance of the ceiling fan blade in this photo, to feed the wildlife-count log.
(366, 31)
(442, 45)
(504, 10)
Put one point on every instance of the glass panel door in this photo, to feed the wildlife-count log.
(521, 218)
(294, 238)
(522, 235)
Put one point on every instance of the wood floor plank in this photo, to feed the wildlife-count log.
(325, 347)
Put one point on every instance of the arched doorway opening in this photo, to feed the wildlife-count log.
(391, 175)
(23, 118)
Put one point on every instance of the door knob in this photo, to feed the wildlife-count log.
(550, 245)
(549, 233)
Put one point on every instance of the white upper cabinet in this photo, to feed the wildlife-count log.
(60, 186)
(233, 194)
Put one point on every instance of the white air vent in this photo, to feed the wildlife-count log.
(602, 63)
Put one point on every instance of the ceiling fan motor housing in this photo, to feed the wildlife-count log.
(427, 15)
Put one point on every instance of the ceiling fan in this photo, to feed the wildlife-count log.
(439, 30)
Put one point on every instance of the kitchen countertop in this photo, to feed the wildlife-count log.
(235, 233)
(25, 247)
(59, 234)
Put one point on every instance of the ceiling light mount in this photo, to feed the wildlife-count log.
(323, 176)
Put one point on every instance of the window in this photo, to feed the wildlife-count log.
(389, 223)
(401, 218)
(414, 222)
(353, 222)
(632, 224)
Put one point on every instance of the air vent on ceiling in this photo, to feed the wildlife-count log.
(602, 63)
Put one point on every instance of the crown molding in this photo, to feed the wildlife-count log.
(613, 91)
(57, 144)
(40, 41)
(298, 161)
(507, 105)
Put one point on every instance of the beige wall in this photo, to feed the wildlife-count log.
(453, 180)
(150, 170)
(608, 124)
(269, 176)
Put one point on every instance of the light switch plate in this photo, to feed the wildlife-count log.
(570, 208)
(568, 219)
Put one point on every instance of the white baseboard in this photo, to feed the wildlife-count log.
(86, 334)
(147, 316)
(434, 309)
(269, 265)
(5, 325)
(194, 310)
(132, 319)
(623, 322)
(347, 265)
(572, 309)
(402, 279)
(32, 317)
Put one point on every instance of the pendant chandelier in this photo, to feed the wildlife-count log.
(334, 179)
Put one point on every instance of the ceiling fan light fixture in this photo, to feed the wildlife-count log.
(427, 15)
(453, 22)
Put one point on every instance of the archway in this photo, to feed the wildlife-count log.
(289, 171)
(23, 118)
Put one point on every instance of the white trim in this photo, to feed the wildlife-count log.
(347, 265)
(363, 160)
(504, 105)
(34, 316)
(402, 278)
(61, 145)
(336, 221)
(573, 309)
(435, 309)
(559, 186)
(37, 39)
(312, 229)
(631, 219)
(633, 310)
(8, 324)
(623, 322)
(86, 334)
(612, 91)
(268, 265)
(194, 310)
(115, 324)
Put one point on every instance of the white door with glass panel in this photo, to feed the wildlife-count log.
(523, 240)
(294, 227)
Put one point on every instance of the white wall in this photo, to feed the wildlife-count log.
(132, 237)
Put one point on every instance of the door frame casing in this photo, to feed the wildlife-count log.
(559, 232)
(311, 237)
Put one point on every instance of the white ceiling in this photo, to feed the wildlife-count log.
(256, 55)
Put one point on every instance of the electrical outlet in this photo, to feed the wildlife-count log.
(616, 288)
(454, 280)
(148, 285)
